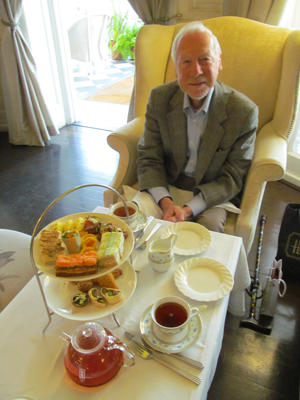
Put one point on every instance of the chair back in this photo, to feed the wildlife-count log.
(87, 38)
(259, 60)
(15, 264)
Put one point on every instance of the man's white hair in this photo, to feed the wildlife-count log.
(192, 27)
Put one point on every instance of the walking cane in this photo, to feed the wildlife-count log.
(252, 322)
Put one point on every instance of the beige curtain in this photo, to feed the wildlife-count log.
(151, 11)
(28, 119)
(267, 11)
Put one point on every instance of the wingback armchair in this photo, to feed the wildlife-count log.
(259, 60)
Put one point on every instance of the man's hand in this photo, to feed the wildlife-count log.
(172, 212)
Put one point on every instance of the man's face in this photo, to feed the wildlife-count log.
(197, 66)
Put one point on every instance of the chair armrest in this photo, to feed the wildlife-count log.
(124, 140)
(269, 164)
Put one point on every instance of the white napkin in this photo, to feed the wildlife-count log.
(145, 202)
(180, 197)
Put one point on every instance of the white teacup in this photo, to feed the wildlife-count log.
(171, 316)
(119, 211)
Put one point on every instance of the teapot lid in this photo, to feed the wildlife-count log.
(88, 337)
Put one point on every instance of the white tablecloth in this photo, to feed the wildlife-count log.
(32, 361)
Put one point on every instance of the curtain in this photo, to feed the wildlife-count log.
(28, 119)
(267, 11)
(151, 11)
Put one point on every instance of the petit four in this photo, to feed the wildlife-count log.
(112, 296)
(96, 298)
(106, 280)
(80, 299)
(85, 286)
(76, 264)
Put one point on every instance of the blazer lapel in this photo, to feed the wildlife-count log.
(177, 125)
(213, 132)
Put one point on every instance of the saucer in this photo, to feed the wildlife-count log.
(139, 222)
(192, 334)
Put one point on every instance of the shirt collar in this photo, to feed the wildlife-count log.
(205, 106)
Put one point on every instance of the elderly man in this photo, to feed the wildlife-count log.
(199, 134)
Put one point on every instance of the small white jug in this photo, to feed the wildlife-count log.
(161, 254)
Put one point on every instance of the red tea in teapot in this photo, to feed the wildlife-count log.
(93, 368)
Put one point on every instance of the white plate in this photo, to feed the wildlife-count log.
(192, 238)
(203, 279)
(50, 269)
(59, 295)
(193, 334)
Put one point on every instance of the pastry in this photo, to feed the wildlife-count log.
(85, 286)
(112, 296)
(117, 272)
(80, 299)
(76, 264)
(96, 298)
(108, 257)
(106, 280)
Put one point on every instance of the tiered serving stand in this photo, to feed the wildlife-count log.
(38, 272)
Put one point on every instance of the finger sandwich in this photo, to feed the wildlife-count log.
(111, 249)
(50, 246)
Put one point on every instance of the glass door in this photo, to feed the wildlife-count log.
(66, 82)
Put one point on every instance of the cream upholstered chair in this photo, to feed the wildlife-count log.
(15, 264)
(259, 60)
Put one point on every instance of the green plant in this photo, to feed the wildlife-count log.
(126, 41)
(117, 25)
(122, 35)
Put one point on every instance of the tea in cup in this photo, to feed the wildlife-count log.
(171, 316)
(119, 211)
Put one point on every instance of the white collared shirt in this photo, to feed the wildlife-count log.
(196, 124)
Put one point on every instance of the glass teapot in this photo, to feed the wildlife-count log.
(94, 355)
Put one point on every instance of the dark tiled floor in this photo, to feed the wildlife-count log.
(251, 365)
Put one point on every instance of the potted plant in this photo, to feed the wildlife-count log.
(124, 45)
(117, 27)
(122, 36)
